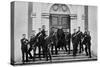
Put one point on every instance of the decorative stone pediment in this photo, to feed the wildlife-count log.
(59, 9)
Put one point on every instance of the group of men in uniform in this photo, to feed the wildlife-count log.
(59, 40)
(43, 42)
(79, 39)
(40, 41)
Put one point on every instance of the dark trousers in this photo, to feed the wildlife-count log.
(68, 44)
(40, 51)
(61, 44)
(88, 49)
(53, 46)
(80, 47)
(43, 47)
(47, 53)
(43, 51)
(65, 47)
(56, 52)
(64, 44)
(34, 52)
(24, 55)
(75, 45)
(38, 45)
(29, 51)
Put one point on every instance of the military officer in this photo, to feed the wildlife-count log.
(43, 35)
(43, 31)
(68, 36)
(24, 43)
(53, 40)
(61, 39)
(75, 42)
(87, 42)
(80, 35)
(38, 43)
(32, 41)
(47, 46)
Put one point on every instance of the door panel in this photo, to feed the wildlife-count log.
(65, 21)
(58, 20)
(54, 20)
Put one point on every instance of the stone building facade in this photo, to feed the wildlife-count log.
(30, 16)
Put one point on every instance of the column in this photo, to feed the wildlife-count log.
(86, 17)
(30, 8)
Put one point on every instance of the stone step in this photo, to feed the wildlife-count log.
(61, 53)
(64, 59)
(60, 57)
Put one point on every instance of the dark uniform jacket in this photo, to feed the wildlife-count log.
(79, 35)
(43, 33)
(32, 41)
(87, 39)
(68, 36)
(52, 36)
(41, 37)
(74, 38)
(38, 39)
(24, 43)
(60, 34)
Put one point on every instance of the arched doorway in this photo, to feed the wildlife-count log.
(59, 17)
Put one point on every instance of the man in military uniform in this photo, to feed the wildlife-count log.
(47, 46)
(43, 35)
(43, 31)
(68, 36)
(61, 39)
(24, 43)
(87, 42)
(53, 40)
(38, 43)
(75, 42)
(32, 41)
(80, 35)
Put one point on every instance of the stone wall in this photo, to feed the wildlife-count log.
(92, 26)
(20, 27)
